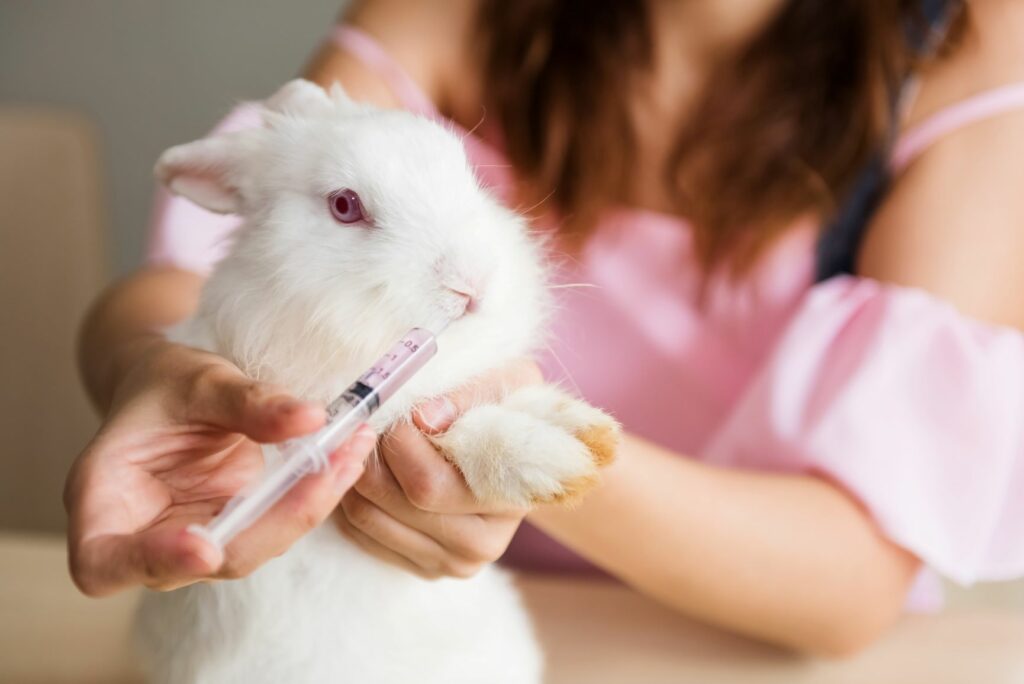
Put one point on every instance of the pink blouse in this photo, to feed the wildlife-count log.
(913, 408)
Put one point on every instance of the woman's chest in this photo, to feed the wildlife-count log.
(639, 331)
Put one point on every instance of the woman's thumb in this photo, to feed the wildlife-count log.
(436, 415)
(160, 558)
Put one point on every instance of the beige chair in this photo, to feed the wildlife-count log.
(52, 264)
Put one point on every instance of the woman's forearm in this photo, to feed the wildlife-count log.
(126, 319)
(790, 559)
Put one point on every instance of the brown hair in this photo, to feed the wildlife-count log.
(786, 127)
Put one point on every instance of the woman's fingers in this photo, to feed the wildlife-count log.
(416, 506)
(475, 538)
(429, 481)
(420, 549)
(378, 550)
(220, 395)
(304, 507)
(437, 415)
(390, 540)
(108, 550)
(167, 556)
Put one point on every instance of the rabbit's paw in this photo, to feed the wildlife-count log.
(539, 446)
(592, 426)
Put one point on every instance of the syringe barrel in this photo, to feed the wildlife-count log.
(374, 387)
(307, 455)
(399, 364)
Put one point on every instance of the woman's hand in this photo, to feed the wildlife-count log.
(413, 508)
(180, 439)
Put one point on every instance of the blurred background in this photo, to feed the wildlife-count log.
(90, 94)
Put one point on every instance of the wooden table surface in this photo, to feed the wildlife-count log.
(594, 633)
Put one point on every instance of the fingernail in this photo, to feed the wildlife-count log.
(284, 404)
(211, 552)
(361, 440)
(437, 414)
(346, 470)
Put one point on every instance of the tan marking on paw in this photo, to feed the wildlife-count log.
(572, 492)
(602, 441)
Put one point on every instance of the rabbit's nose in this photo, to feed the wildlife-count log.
(466, 285)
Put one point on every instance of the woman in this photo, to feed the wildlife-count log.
(844, 434)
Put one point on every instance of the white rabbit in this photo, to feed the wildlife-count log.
(317, 284)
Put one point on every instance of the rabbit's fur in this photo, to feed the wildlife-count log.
(308, 303)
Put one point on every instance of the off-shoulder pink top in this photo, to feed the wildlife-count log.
(915, 409)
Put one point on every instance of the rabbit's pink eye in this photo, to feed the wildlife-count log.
(345, 206)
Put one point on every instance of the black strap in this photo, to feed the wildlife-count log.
(840, 241)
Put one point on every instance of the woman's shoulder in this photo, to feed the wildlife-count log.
(953, 222)
(430, 41)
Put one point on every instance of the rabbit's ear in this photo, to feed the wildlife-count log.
(299, 96)
(204, 172)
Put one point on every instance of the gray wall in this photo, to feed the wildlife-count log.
(150, 74)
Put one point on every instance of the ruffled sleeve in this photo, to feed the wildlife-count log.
(185, 235)
(915, 409)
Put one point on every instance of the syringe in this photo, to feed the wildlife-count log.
(308, 455)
